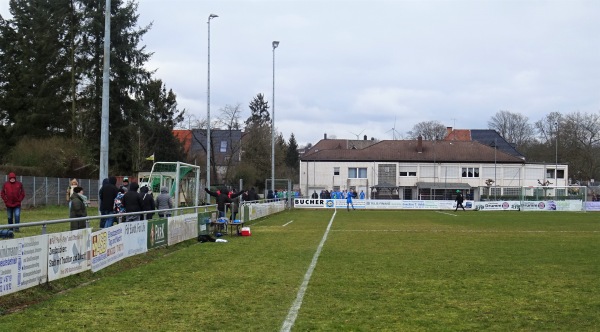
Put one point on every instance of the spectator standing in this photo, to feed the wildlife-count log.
(12, 195)
(78, 208)
(118, 207)
(253, 195)
(235, 205)
(147, 202)
(222, 199)
(362, 195)
(164, 201)
(314, 195)
(107, 195)
(132, 202)
(72, 184)
(125, 184)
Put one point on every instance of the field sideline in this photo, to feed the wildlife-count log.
(357, 270)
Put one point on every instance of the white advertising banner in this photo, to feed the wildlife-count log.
(259, 210)
(68, 253)
(379, 204)
(23, 263)
(592, 206)
(570, 205)
(182, 227)
(136, 237)
(498, 206)
(108, 246)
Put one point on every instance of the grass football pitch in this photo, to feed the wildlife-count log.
(313, 270)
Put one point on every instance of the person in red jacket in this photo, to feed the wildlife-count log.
(12, 195)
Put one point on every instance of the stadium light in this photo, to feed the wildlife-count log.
(208, 143)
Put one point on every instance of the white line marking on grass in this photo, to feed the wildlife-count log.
(291, 221)
(455, 231)
(293, 312)
(448, 214)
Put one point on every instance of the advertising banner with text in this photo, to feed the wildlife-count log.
(68, 253)
(108, 246)
(23, 263)
(158, 233)
(182, 227)
(136, 237)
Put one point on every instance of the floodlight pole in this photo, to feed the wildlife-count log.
(208, 143)
(556, 159)
(274, 44)
(104, 141)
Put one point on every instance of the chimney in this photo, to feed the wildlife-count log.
(420, 144)
(448, 131)
(365, 138)
(325, 136)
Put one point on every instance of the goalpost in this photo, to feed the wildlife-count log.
(557, 198)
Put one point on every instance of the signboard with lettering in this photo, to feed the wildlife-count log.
(68, 253)
(23, 263)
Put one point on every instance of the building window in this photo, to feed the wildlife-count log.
(550, 173)
(223, 146)
(336, 171)
(357, 173)
(514, 192)
(470, 172)
(408, 173)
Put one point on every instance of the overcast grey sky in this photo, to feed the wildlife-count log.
(366, 66)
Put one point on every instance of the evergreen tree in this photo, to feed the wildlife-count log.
(292, 158)
(127, 80)
(35, 70)
(51, 69)
(259, 112)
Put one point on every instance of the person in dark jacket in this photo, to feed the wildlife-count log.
(253, 195)
(132, 202)
(107, 195)
(12, 195)
(78, 208)
(235, 205)
(147, 202)
(459, 200)
(223, 199)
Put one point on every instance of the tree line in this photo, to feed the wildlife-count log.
(571, 138)
(51, 68)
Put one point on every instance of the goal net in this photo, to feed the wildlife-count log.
(558, 198)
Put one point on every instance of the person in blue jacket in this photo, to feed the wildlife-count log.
(349, 200)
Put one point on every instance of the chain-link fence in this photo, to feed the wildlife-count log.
(40, 191)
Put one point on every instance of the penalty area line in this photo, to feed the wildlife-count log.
(291, 221)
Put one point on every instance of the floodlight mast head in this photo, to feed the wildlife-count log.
(212, 16)
(275, 44)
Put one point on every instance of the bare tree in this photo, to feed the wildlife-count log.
(229, 117)
(229, 120)
(429, 130)
(546, 127)
(514, 127)
(579, 144)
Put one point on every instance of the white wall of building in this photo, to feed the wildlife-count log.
(317, 176)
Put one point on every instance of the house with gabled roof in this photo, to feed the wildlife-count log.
(225, 148)
(488, 137)
(421, 170)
